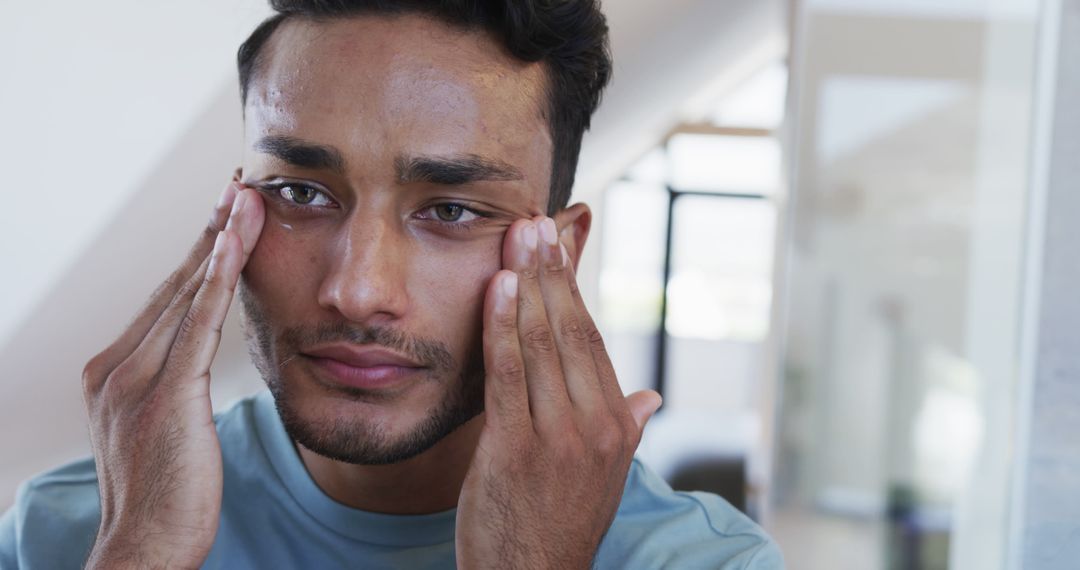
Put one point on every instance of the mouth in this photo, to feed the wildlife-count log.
(362, 367)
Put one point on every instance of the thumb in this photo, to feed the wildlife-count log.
(643, 404)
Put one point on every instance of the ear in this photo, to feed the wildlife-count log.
(573, 224)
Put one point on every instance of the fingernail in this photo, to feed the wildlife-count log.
(529, 235)
(510, 285)
(227, 195)
(238, 205)
(565, 255)
(548, 233)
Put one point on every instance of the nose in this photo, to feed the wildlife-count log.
(366, 282)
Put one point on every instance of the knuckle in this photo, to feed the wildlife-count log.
(547, 397)
(610, 441)
(509, 368)
(183, 295)
(595, 339)
(189, 287)
(119, 391)
(527, 273)
(570, 327)
(124, 382)
(94, 374)
(554, 269)
(210, 232)
(539, 338)
(126, 370)
(190, 324)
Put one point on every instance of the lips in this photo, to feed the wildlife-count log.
(363, 357)
(362, 366)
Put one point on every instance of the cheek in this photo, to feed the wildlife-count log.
(283, 268)
(456, 279)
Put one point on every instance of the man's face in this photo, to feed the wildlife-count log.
(392, 154)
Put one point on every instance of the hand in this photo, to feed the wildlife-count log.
(148, 398)
(558, 435)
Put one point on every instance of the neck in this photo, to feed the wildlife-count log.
(428, 483)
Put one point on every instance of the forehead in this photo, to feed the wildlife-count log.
(397, 84)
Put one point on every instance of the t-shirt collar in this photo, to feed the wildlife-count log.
(378, 528)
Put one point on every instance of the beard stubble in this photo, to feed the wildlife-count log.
(356, 440)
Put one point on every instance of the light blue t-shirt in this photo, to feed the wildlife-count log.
(274, 516)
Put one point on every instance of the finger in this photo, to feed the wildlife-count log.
(572, 343)
(148, 359)
(548, 399)
(506, 399)
(247, 219)
(200, 331)
(199, 334)
(643, 404)
(609, 383)
(161, 298)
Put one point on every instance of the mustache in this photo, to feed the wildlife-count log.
(427, 352)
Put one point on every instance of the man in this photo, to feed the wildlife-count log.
(442, 396)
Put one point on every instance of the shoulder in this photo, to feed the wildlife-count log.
(656, 527)
(58, 507)
(235, 424)
(246, 459)
(68, 493)
(62, 506)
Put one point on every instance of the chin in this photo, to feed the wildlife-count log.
(380, 423)
(377, 427)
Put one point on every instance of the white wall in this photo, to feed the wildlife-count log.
(120, 126)
(95, 95)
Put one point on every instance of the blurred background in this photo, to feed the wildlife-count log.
(835, 234)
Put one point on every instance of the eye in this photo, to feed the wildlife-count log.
(451, 213)
(302, 195)
(453, 216)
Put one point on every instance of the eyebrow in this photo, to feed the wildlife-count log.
(449, 170)
(453, 170)
(301, 153)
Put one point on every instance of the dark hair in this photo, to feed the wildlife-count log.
(569, 36)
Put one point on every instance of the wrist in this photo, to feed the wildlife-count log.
(111, 555)
(129, 554)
